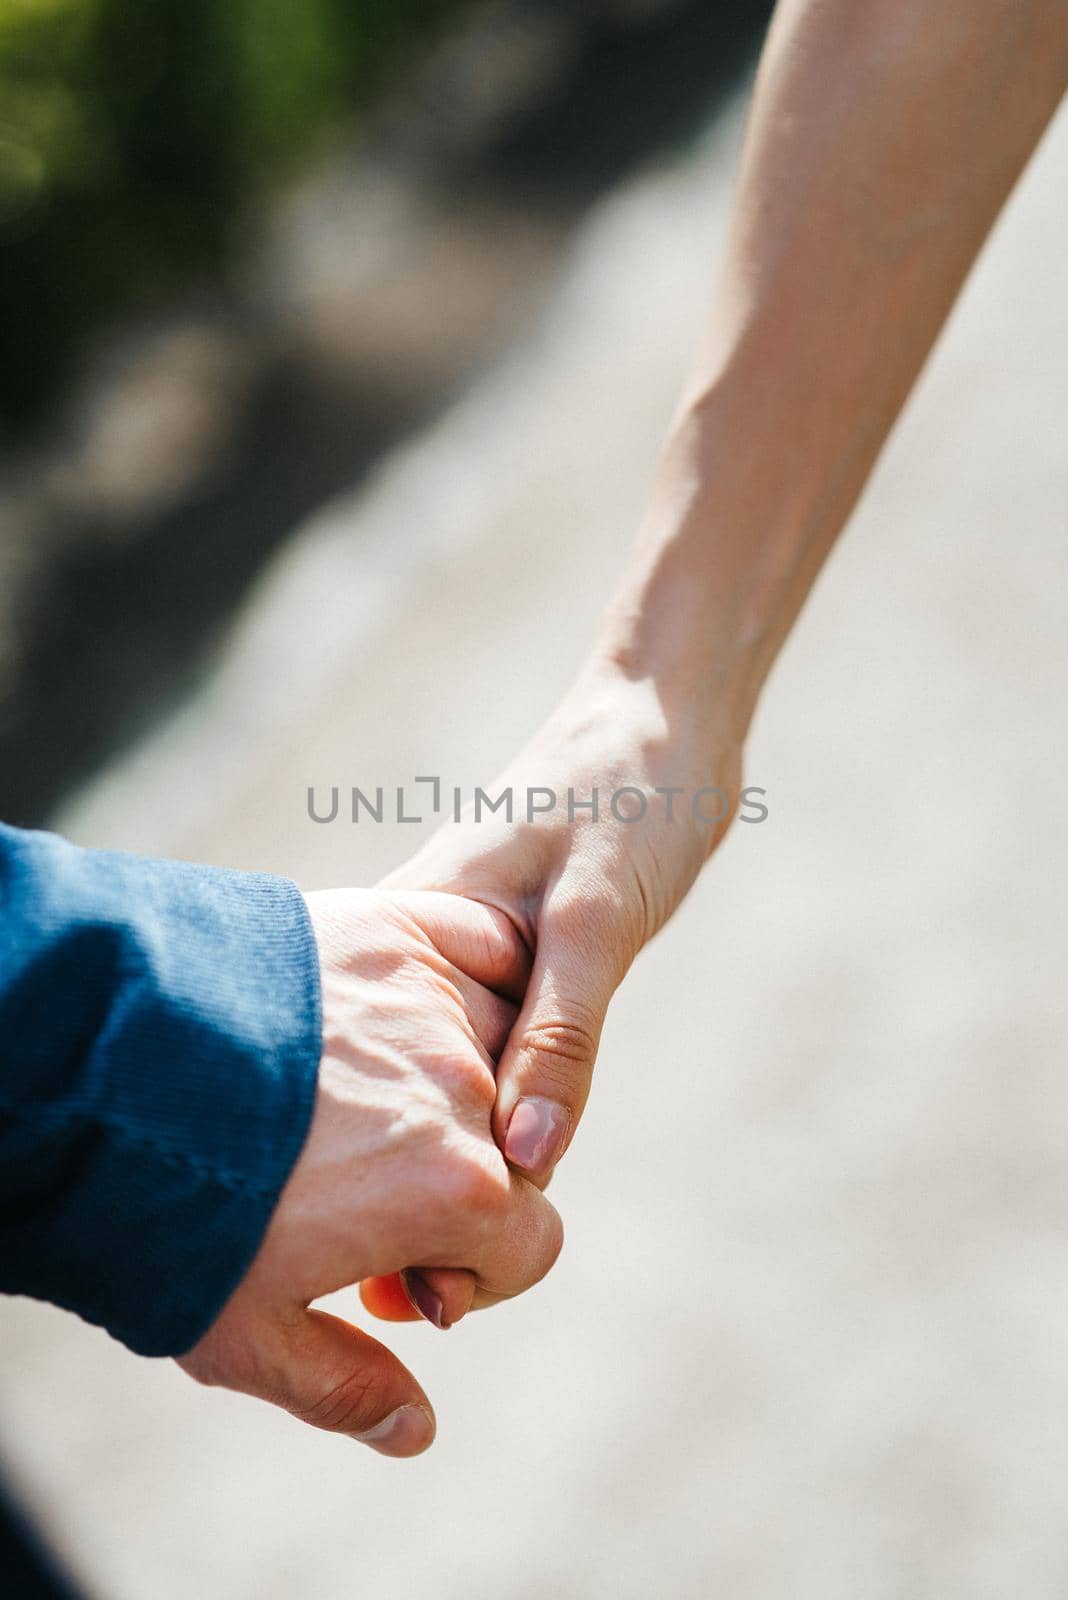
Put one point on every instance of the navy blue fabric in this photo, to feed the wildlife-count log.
(160, 1035)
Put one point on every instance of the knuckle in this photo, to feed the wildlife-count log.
(477, 1186)
(560, 1057)
(467, 1080)
(562, 1041)
(351, 1404)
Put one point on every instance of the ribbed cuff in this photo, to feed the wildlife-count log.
(162, 1111)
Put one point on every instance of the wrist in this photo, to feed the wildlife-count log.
(645, 724)
(702, 678)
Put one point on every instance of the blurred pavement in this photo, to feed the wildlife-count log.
(807, 1340)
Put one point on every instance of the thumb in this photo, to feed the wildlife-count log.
(543, 1079)
(333, 1376)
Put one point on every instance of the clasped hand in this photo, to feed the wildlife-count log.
(462, 1009)
(399, 1168)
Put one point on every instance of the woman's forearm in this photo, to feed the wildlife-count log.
(883, 139)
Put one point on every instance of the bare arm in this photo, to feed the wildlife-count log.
(883, 138)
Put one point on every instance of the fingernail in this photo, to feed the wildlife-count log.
(404, 1432)
(536, 1134)
(426, 1302)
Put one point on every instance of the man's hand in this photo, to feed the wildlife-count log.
(399, 1169)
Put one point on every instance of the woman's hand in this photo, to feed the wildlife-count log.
(586, 892)
(399, 1168)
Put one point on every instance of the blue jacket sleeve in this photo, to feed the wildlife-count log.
(159, 1047)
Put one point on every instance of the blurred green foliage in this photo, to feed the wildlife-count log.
(134, 134)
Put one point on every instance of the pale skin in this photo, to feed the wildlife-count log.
(883, 139)
(399, 1165)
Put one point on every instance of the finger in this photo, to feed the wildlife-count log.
(482, 1299)
(386, 1299)
(440, 1295)
(491, 1018)
(335, 1377)
(522, 1246)
(544, 1074)
(477, 939)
